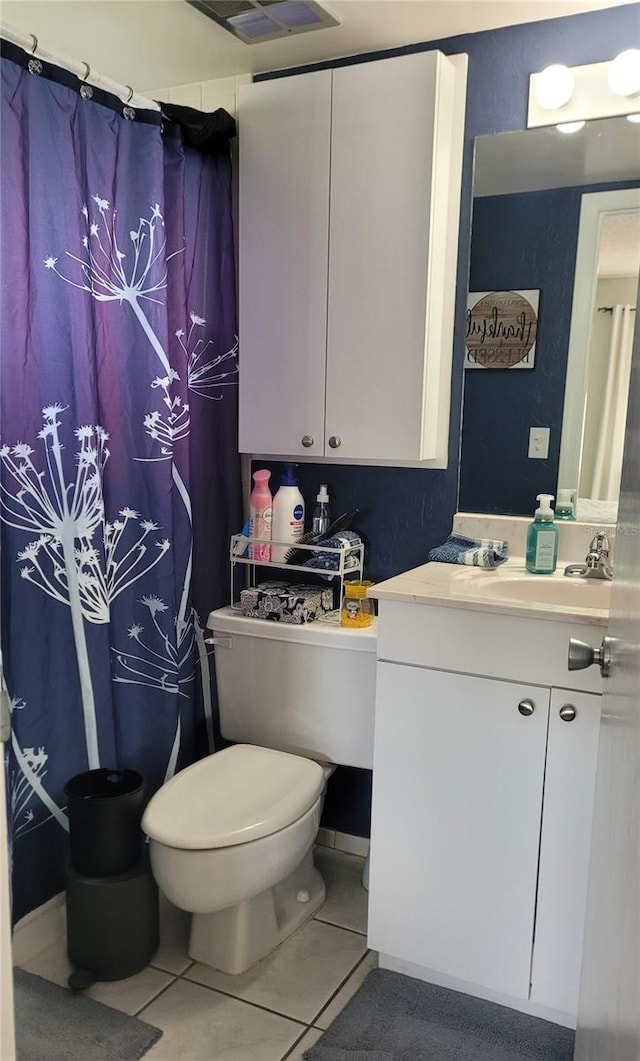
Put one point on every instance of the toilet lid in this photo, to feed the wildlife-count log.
(231, 797)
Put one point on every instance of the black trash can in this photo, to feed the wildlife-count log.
(105, 808)
(112, 924)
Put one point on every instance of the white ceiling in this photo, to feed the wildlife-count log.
(152, 44)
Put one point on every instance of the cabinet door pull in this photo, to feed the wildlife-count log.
(567, 713)
(307, 441)
(335, 441)
(526, 707)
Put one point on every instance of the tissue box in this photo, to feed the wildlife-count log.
(286, 604)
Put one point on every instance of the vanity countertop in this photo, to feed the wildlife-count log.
(505, 590)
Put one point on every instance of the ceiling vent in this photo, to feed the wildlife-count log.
(254, 21)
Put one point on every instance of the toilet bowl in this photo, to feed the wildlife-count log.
(231, 841)
(231, 837)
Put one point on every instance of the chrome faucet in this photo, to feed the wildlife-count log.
(596, 564)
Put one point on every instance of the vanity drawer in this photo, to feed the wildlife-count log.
(485, 643)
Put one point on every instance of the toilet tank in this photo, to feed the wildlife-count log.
(307, 689)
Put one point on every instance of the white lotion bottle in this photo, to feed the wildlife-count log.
(288, 515)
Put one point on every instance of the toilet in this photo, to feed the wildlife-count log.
(231, 837)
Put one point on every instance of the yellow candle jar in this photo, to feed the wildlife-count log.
(357, 609)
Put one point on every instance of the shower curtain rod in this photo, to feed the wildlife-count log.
(29, 42)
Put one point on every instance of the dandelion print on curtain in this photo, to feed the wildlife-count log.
(119, 471)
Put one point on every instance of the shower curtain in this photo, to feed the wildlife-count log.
(604, 484)
(119, 471)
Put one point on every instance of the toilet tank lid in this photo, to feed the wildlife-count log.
(319, 634)
(232, 797)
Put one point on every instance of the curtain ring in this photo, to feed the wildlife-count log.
(35, 43)
(86, 91)
(130, 96)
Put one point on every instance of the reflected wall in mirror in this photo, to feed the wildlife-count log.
(529, 194)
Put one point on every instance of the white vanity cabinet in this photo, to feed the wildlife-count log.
(569, 786)
(458, 788)
(482, 804)
(349, 204)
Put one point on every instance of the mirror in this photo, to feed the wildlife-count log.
(558, 215)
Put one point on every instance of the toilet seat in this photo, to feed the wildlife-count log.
(232, 797)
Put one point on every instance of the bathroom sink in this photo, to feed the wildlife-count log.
(509, 589)
(561, 591)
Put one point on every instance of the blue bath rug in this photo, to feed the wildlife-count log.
(395, 1018)
(54, 1024)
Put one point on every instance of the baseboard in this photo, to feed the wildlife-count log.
(351, 845)
(431, 976)
(39, 929)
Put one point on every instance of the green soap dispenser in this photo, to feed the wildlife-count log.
(564, 505)
(542, 539)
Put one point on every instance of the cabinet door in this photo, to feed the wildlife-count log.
(284, 218)
(564, 852)
(389, 281)
(457, 797)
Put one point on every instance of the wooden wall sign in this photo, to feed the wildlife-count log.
(501, 329)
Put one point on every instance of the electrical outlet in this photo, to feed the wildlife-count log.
(539, 442)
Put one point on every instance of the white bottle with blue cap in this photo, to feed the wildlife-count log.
(288, 515)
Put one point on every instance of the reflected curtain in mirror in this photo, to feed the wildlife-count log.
(607, 412)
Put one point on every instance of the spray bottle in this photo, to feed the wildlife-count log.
(260, 515)
(321, 514)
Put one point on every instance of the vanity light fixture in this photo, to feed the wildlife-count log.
(635, 118)
(570, 127)
(554, 87)
(561, 95)
(624, 73)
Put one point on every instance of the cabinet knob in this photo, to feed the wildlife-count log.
(307, 441)
(335, 441)
(568, 713)
(526, 707)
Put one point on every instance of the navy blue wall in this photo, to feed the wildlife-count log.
(520, 241)
(408, 511)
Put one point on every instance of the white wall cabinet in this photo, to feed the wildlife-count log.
(349, 205)
(481, 820)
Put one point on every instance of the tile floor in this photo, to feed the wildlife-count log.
(277, 1010)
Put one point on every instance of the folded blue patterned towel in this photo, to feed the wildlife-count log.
(347, 540)
(476, 552)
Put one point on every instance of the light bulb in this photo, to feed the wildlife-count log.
(624, 73)
(570, 127)
(554, 87)
(633, 118)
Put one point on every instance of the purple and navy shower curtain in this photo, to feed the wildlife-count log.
(119, 471)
